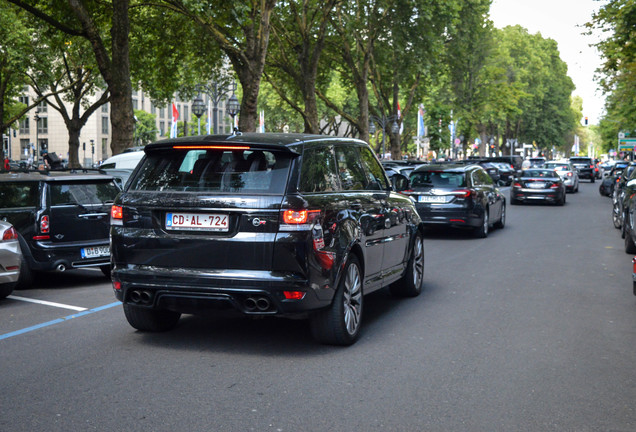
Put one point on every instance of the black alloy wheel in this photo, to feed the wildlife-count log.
(339, 324)
(410, 285)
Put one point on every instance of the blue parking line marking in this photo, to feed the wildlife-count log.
(59, 320)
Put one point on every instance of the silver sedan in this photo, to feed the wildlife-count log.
(10, 258)
(568, 174)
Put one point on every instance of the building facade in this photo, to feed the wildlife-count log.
(43, 128)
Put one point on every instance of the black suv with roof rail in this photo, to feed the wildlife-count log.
(62, 219)
(263, 224)
(585, 166)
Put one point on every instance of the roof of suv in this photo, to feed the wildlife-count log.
(37, 176)
(260, 139)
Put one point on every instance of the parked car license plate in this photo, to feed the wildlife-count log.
(95, 251)
(432, 199)
(197, 222)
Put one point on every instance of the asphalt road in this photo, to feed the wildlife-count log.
(531, 329)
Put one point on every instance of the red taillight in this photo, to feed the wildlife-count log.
(10, 234)
(44, 224)
(294, 295)
(569, 174)
(462, 193)
(117, 286)
(297, 217)
(116, 212)
(517, 185)
(555, 186)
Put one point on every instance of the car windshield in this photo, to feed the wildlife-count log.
(539, 173)
(440, 179)
(214, 170)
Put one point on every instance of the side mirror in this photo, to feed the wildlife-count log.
(399, 182)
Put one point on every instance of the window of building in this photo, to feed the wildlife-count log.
(105, 125)
(42, 106)
(25, 148)
(162, 113)
(24, 125)
(105, 108)
(162, 128)
(24, 100)
(104, 148)
(135, 104)
(186, 115)
(153, 109)
(43, 125)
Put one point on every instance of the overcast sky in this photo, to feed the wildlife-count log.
(561, 20)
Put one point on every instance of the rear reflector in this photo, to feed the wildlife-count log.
(117, 286)
(42, 237)
(294, 295)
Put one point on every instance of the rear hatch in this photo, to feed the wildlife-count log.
(203, 207)
(438, 187)
(80, 213)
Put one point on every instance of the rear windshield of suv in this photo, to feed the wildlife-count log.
(581, 161)
(214, 170)
(441, 179)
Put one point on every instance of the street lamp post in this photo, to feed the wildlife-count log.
(233, 107)
(198, 108)
(216, 91)
(92, 152)
(383, 122)
(36, 117)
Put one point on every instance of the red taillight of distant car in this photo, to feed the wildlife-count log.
(462, 193)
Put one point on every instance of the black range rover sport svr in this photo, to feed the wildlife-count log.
(265, 224)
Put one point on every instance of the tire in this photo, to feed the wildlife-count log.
(623, 225)
(106, 270)
(6, 289)
(339, 324)
(616, 219)
(592, 180)
(601, 190)
(562, 201)
(501, 223)
(482, 230)
(151, 320)
(411, 283)
(630, 247)
(25, 280)
(513, 201)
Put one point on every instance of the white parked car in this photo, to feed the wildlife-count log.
(10, 258)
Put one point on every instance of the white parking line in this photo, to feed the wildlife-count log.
(47, 303)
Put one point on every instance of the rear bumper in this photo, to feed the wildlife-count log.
(47, 256)
(548, 195)
(455, 218)
(200, 291)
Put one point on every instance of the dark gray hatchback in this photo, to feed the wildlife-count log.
(62, 219)
(263, 224)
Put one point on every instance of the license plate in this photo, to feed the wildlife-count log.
(197, 222)
(431, 199)
(536, 185)
(95, 252)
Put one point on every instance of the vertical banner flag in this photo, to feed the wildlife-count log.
(175, 117)
(420, 122)
(261, 121)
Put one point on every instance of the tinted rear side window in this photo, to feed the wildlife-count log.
(350, 170)
(16, 195)
(82, 193)
(318, 173)
(214, 170)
